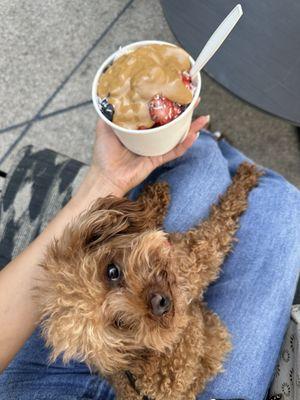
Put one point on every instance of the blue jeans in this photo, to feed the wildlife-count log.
(253, 295)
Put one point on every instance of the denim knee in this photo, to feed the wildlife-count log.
(281, 208)
(284, 197)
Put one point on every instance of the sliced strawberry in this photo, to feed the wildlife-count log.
(163, 110)
(186, 79)
(177, 110)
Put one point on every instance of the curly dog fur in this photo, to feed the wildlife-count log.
(111, 326)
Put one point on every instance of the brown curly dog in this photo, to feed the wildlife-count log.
(125, 297)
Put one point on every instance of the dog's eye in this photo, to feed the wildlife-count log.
(113, 272)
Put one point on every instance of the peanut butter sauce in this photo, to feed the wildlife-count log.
(135, 77)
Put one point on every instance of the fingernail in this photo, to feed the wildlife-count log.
(207, 122)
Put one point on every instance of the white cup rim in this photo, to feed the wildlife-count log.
(139, 131)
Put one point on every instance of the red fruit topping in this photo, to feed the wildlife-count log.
(163, 110)
(177, 110)
(186, 79)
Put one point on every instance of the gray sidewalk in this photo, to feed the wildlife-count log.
(49, 53)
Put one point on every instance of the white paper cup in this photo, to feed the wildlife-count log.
(153, 141)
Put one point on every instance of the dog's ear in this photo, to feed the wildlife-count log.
(110, 216)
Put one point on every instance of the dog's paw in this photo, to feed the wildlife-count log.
(156, 197)
(247, 169)
(248, 175)
(157, 194)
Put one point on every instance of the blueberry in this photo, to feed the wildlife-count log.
(184, 107)
(107, 109)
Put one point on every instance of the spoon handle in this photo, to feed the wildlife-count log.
(217, 38)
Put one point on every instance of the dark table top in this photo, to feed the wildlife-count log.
(259, 61)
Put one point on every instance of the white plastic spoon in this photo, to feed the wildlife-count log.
(216, 39)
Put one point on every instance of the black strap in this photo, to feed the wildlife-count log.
(132, 379)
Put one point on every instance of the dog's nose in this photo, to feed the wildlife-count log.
(160, 303)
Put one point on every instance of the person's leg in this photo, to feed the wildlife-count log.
(254, 293)
(30, 377)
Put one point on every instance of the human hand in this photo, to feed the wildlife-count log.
(124, 169)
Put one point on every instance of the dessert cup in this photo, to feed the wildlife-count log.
(154, 141)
